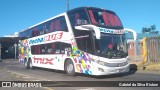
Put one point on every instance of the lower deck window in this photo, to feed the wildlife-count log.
(51, 48)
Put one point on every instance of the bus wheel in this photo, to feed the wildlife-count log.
(69, 68)
(30, 64)
(26, 64)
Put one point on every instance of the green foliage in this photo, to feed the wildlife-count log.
(151, 29)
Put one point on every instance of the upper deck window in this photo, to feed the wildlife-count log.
(99, 17)
(78, 17)
(103, 17)
(58, 24)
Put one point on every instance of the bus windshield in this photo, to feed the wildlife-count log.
(95, 16)
(104, 18)
(110, 46)
(98, 18)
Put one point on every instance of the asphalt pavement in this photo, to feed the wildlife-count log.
(7, 76)
(12, 70)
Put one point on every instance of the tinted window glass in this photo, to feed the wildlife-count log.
(83, 39)
(58, 24)
(51, 48)
(106, 18)
(78, 17)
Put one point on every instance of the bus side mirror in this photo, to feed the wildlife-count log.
(80, 28)
(89, 28)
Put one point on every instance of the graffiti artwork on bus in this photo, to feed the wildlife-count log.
(23, 50)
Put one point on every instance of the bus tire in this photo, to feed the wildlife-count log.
(69, 68)
(30, 64)
(26, 64)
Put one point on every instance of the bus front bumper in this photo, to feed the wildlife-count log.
(103, 70)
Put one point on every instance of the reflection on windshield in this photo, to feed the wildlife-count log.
(102, 17)
(110, 44)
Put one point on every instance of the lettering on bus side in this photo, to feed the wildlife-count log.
(38, 40)
(119, 31)
(46, 38)
(53, 37)
(111, 31)
(106, 30)
(43, 60)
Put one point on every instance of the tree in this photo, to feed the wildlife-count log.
(151, 29)
(144, 30)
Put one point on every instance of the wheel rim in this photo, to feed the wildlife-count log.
(70, 68)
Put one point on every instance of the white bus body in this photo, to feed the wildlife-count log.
(76, 44)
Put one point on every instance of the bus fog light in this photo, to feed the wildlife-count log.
(101, 70)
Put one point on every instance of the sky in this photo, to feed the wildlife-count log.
(17, 15)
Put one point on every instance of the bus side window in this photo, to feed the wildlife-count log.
(32, 49)
(35, 33)
(57, 48)
(43, 51)
(50, 48)
(45, 28)
(53, 48)
(84, 42)
(35, 49)
(52, 26)
(65, 48)
(76, 18)
(41, 32)
(63, 24)
(58, 24)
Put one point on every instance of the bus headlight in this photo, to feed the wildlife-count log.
(100, 62)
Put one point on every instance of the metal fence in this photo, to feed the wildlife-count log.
(152, 49)
(147, 50)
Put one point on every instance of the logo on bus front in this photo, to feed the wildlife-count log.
(111, 31)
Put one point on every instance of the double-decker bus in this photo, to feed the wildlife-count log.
(85, 40)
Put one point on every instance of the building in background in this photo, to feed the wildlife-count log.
(135, 47)
(9, 46)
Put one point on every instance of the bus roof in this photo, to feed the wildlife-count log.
(61, 15)
(87, 7)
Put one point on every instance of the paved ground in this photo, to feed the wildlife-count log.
(12, 70)
(7, 75)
